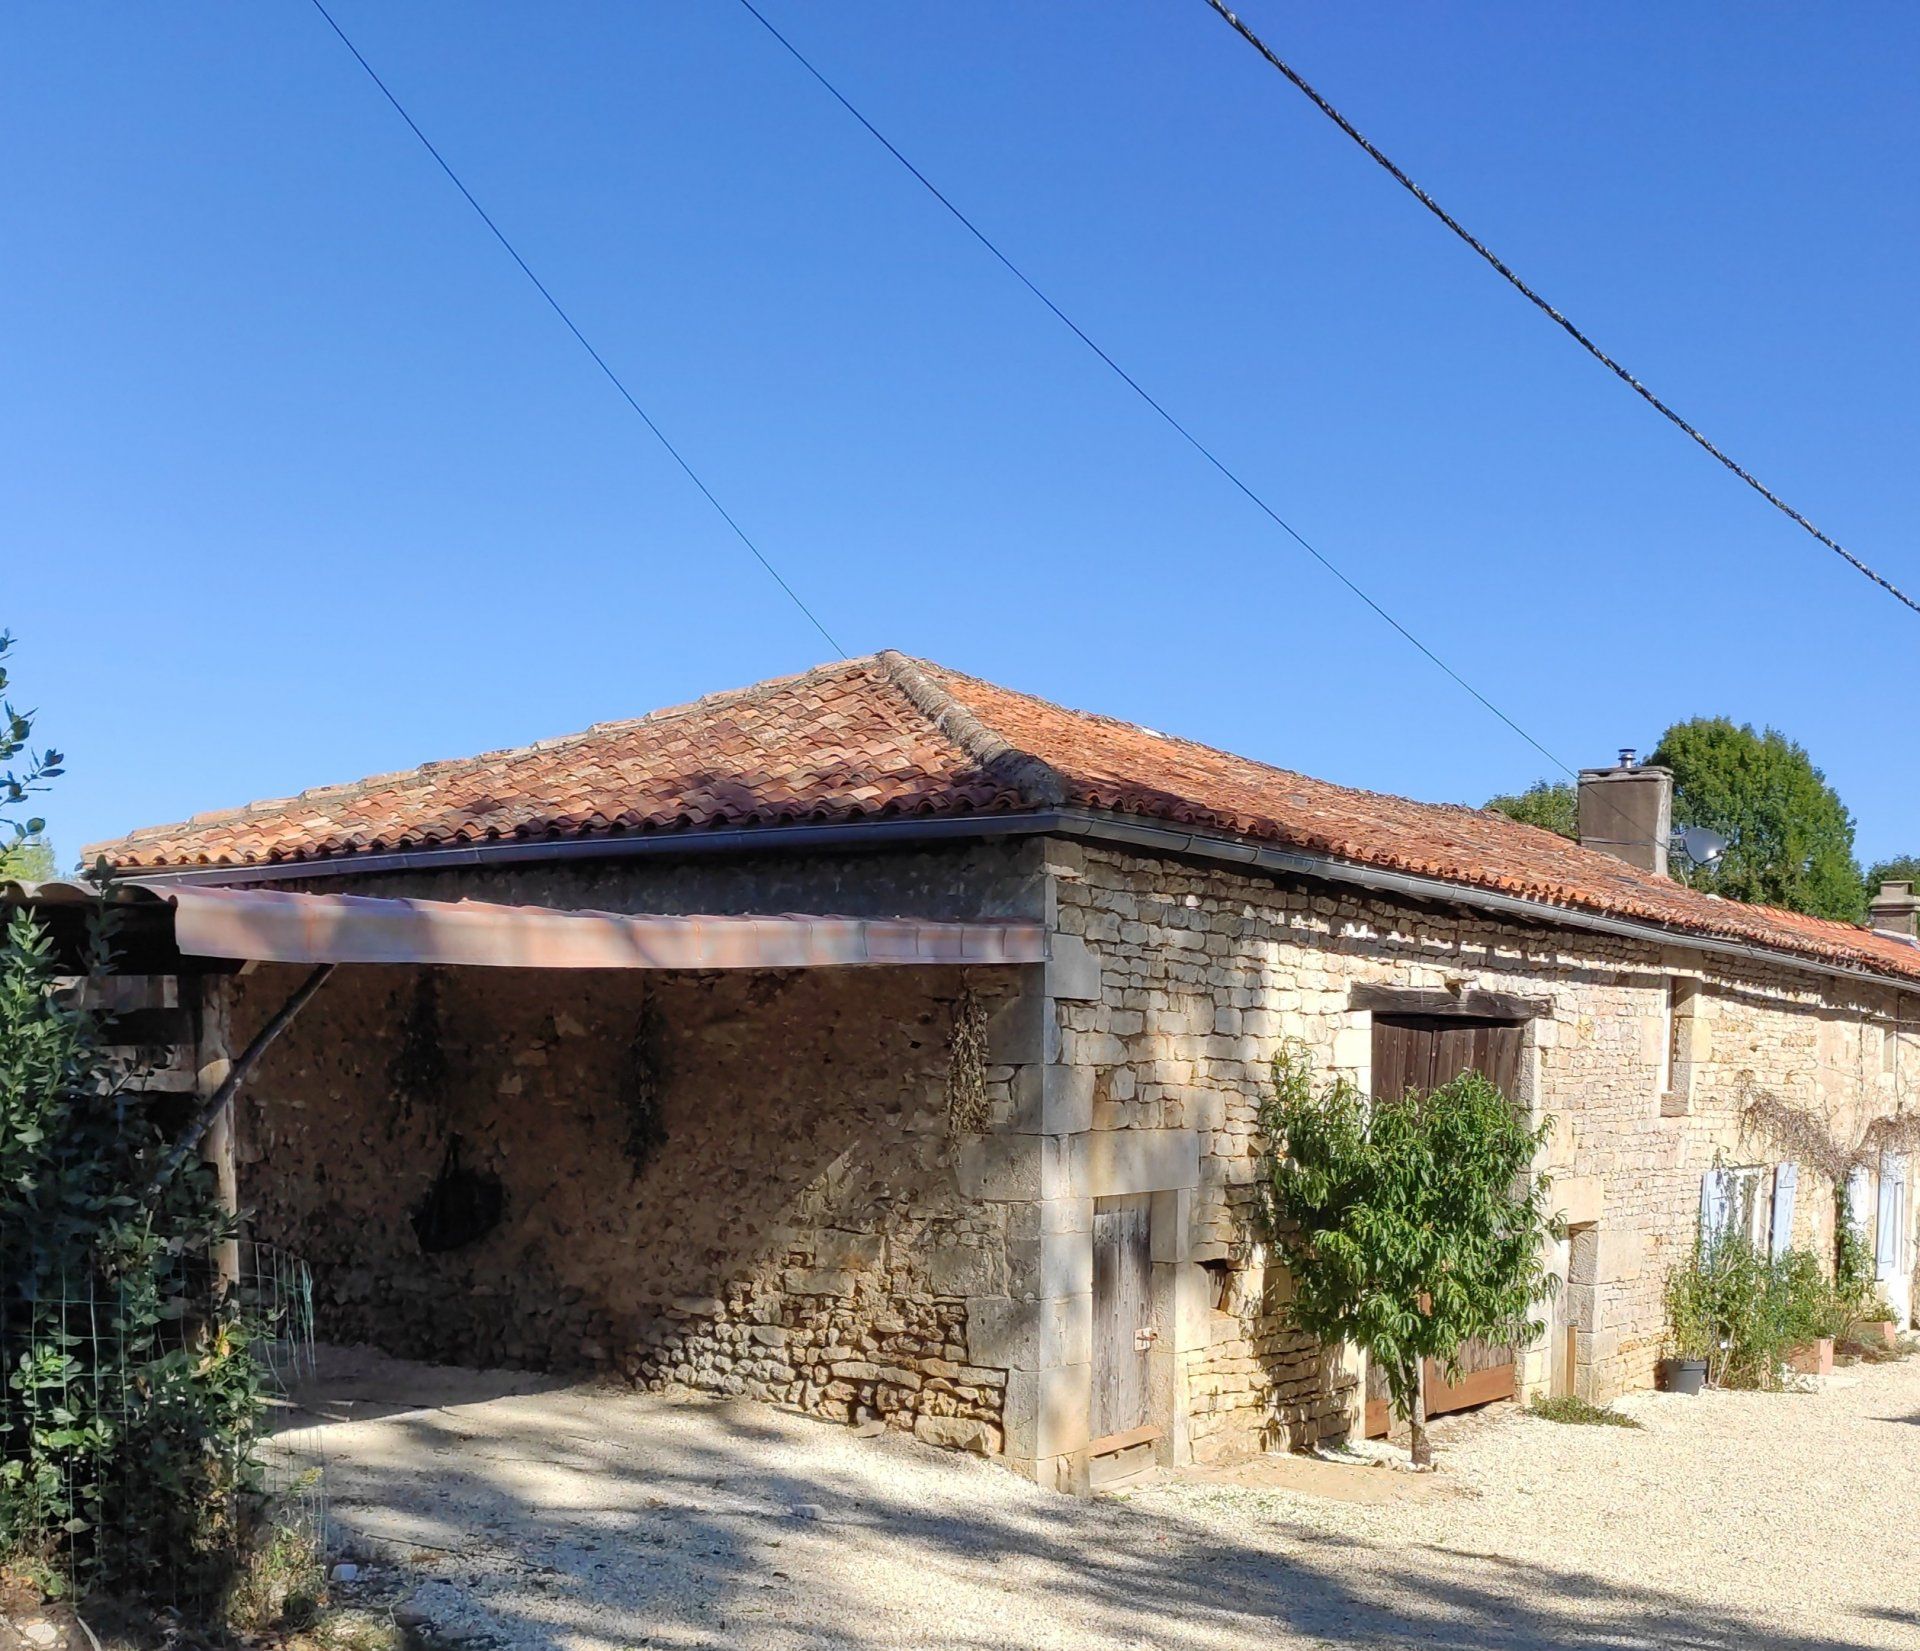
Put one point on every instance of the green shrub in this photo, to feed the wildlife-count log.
(1744, 1313)
(1406, 1225)
(128, 1389)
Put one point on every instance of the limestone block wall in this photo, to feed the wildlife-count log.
(799, 1234)
(1202, 972)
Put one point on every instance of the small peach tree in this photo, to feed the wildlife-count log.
(1409, 1226)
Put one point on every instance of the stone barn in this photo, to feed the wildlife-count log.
(915, 1075)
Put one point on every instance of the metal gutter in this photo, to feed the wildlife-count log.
(1239, 852)
(728, 840)
(1081, 824)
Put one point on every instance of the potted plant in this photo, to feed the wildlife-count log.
(1873, 1323)
(1814, 1313)
(1691, 1337)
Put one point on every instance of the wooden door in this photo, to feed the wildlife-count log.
(1423, 1052)
(1122, 1321)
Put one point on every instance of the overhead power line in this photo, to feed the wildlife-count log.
(1146, 396)
(567, 320)
(1546, 309)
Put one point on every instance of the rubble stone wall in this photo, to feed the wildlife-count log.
(797, 1235)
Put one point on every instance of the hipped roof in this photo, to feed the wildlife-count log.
(888, 737)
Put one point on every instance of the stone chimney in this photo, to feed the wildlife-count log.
(1895, 910)
(1627, 811)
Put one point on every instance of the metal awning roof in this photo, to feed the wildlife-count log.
(181, 929)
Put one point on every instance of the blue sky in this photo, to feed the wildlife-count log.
(302, 482)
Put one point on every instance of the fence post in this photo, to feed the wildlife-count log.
(213, 1060)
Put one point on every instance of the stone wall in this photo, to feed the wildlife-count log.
(813, 1232)
(798, 1235)
(1203, 972)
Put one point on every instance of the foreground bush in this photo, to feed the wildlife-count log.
(130, 1392)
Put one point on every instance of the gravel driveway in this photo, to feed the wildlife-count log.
(519, 1513)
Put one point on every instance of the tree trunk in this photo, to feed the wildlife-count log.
(1422, 1447)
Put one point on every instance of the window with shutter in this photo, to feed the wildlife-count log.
(1739, 1200)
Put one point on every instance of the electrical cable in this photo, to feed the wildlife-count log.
(1139, 390)
(1547, 309)
(599, 360)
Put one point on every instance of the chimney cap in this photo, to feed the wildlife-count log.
(1629, 757)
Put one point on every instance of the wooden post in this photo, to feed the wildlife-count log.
(1422, 1447)
(213, 1063)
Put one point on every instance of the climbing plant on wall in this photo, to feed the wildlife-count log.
(1408, 1226)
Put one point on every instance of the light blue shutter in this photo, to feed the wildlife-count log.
(1857, 1201)
(1886, 1238)
(1716, 1197)
(1784, 1180)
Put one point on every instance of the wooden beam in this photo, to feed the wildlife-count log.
(1407, 1000)
(249, 1058)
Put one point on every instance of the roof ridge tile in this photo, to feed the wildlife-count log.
(1028, 776)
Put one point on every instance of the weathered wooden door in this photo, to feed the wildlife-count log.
(1423, 1052)
(1122, 1320)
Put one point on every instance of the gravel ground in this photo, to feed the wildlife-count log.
(517, 1513)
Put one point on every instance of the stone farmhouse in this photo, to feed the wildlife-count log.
(998, 1192)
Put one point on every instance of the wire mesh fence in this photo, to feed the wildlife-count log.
(149, 1438)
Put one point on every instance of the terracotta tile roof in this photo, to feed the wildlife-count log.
(888, 737)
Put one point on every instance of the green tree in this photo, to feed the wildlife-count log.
(1409, 1225)
(1790, 838)
(1902, 868)
(29, 861)
(22, 772)
(1549, 804)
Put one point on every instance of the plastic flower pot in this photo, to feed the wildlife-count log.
(1683, 1375)
(1815, 1359)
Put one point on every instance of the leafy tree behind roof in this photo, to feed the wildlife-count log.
(1902, 868)
(1790, 838)
(1549, 804)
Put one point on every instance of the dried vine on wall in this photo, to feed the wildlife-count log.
(418, 1073)
(967, 1065)
(1805, 1135)
(643, 1077)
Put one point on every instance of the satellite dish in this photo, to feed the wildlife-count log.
(1701, 846)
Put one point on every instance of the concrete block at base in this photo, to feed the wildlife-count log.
(1020, 1420)
(1065, 1403)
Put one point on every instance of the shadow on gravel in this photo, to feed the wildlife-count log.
(552, 1531)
